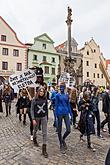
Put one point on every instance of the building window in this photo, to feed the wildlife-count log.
(46, 69)
(87, 52)
(4, 65)
(35, 57)
(19, 67)
(94, 50)
(15, 52)
(53, 71)
(44, 46)
(102, 76)
(3, 38)
(44, 58)
(53, 59)
(95, 65)
(98, 75)
(94, 75)
(87, 74)
(87, 63)
(5, 51)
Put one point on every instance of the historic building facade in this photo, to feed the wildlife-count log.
(77, 56)
(94, 66)
(43, 54)
(108, 66)
(13, 53)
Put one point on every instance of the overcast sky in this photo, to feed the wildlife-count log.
(30, 18)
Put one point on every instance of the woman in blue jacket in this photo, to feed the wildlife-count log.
(62, 110)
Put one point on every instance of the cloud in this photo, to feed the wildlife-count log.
(30, 18)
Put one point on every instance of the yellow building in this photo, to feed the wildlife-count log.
(13, 53)
(92, 64)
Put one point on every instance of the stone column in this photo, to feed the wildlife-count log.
(69, 22)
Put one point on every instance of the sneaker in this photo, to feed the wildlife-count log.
(99, 136)
(31, 137)
(103, 130)
(92, 148)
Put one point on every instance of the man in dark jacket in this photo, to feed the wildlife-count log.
(107, 161)
(106, 108)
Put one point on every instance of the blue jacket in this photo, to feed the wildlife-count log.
(53, 97)
(62, 105)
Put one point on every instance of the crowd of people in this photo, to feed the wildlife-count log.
(77, 108)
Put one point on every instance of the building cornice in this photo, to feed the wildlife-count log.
(4, 44)
(44, 52)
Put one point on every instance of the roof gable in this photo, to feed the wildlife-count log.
(4, 25)
(44, 38)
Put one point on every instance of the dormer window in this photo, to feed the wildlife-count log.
(44, 46)
(3, 38)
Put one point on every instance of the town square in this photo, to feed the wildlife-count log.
(54, 82)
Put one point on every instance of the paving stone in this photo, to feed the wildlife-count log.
(17, 149)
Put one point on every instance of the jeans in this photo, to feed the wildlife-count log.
(31, 123)
(67, 124)
(44, 128)
(8, 107)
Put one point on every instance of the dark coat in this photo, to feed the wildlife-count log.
(1, 108)
(107, 161)
(86, 124)
(106, 103)
(23, 102)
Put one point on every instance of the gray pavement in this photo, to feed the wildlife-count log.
(17, 149)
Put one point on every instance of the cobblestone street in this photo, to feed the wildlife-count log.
(17, 149)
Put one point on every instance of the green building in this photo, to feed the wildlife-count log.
(43, 54)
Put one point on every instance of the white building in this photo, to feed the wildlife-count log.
(92, 58)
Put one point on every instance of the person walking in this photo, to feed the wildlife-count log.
(7, 98)
(53, 97)
(23, 104)
(106, 109)
(62, 111)
(39, 112)
(73, 103)
(86, 125)
(95, 101)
